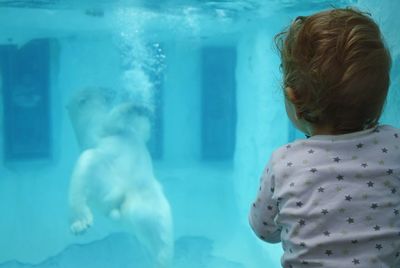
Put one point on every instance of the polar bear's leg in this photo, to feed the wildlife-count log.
(151, 223)
(115, 198)
(82, 217)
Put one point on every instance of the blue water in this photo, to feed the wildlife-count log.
(205, 73)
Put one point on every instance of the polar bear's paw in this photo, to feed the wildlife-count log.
(80, 225)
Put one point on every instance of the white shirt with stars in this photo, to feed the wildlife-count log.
(333, 201)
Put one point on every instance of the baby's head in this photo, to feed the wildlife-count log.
(336, 71)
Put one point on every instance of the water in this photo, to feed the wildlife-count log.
(207, 74)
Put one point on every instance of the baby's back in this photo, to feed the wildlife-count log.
(339, 199)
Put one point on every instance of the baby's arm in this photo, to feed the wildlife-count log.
(82, 217)
(264, 210)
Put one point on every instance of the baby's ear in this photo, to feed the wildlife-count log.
(292, 98)
(290, 95)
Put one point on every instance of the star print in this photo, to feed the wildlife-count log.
(389, 171)
(328, 252)
(302, 222)
(360, 145)
(302, 244)
(272, 189)
(304, 262)
(384, 150)
(374, 205)
(336, 159)
(340, 177)
(324, 211)
(326, 233)
(348, 198)
(396, 135)
(292, 184)
(270, 207)
(364, 165)
(397, 254)
(299, 204)
(313, 170)
(378, 246)
(288, 146)
(356, 261)
(321, 189)
(354, 241)
(350, 220)
(311, 151)
(393, 190)
(396, 211)
(289, 164)
(370, 184)
(377, 228)
(264, 223)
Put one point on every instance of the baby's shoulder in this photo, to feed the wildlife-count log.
(290, 150)
(389, 130)
(296, 145)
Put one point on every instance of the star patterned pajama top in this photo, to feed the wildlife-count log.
(333, 201)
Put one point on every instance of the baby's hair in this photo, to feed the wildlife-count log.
(338, 66)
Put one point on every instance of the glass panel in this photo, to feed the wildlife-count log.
(155, 120)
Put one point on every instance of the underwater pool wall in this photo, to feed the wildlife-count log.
(34, 222)
(182, 102)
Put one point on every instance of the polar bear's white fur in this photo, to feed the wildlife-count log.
(116, 175)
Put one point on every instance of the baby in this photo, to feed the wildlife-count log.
(334, 199)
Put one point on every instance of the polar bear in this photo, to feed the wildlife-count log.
(116, 175)
(87, 109)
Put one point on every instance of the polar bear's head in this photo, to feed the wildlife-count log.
(87, 109)
(129, 118)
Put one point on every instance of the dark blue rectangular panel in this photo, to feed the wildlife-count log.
(25, 73)
(218, 102)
